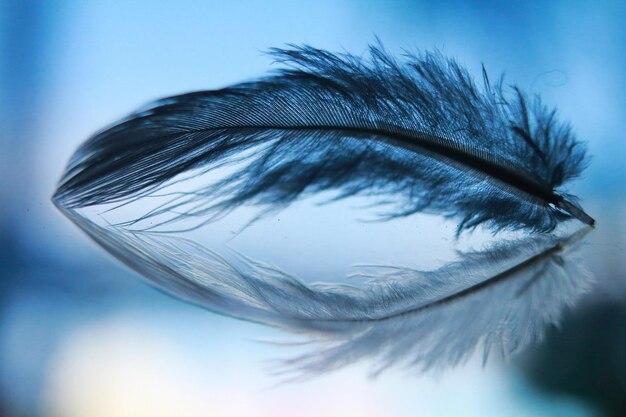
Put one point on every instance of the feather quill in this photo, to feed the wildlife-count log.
(420, 135)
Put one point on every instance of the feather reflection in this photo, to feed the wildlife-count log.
(501, 298)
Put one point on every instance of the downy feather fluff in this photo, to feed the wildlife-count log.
(500, 298)
(419, 135)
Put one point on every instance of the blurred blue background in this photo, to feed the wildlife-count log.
(82, 336)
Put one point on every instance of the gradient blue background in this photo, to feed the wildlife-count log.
(81, 336)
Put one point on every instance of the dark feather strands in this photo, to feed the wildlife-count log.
(419, 135)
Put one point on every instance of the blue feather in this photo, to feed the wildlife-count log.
(419, 134)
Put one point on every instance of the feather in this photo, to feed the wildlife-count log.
(503, 297)
(419, 136)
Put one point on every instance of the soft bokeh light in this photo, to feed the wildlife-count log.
(83, 337)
